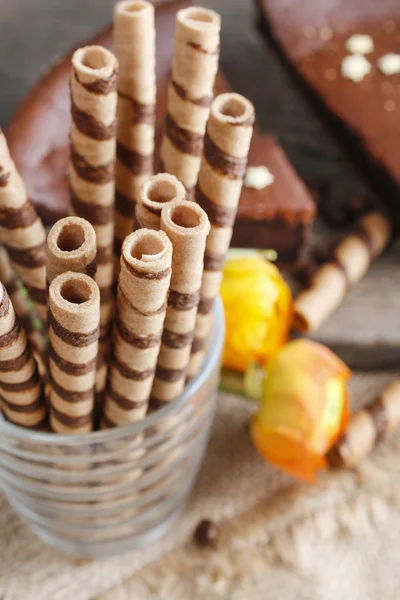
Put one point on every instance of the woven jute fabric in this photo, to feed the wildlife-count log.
(279, 538)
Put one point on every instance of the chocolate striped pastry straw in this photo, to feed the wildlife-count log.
(223, 166)
(134, 46)
(21, 305)
(141, 305)
(71, 246)
(22, 400)
(154, 194)
(102, 367)
(74, 317)
(21, 231)
(92, 157)
(350, 262)
(366, 428)
(190, 92)
(187, 226)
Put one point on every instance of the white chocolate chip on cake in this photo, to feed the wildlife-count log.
(258, 178)
(359, 44)
(355, 67)
(389, 64)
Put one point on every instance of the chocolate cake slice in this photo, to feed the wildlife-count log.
(354, 83)
(278, 217)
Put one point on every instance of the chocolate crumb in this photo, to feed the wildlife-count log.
(206, 533)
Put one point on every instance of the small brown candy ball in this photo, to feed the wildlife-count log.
(206, 533)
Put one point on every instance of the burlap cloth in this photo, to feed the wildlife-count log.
(280, 540)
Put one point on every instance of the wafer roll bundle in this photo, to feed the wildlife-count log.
(71, 246)
(92, 156)
(134, 46)
(74, 317)
(153, 196)
(187, 226)
(21, 231)
(21, 391)
(141, 304)
(190, 92)
(351, 260)
(367, 428)
(223, 167)
(20, 303)
(102, 367)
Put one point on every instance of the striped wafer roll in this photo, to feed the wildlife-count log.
(21, 231)
(74, 316)
(351, 260)
(22, 400)
(134, 47)
(190, 92)
(21, 304)
(92, 157)
(102, 365)
(223, 167)
(367, 428)
(141, 304)
(71, 246)
(187, 226)
(154, 194)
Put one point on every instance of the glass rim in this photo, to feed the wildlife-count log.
(193, 386)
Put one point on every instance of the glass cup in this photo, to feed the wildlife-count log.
(111, 491)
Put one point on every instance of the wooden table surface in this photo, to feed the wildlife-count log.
(366, 330)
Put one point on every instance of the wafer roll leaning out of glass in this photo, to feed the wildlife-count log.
(190, 92)
(92, 157)
(21, 391)
(134, 46)
(187, 226)
(350, 262)
(223, 167)
(73, 323)
(366, 428)
(153, 196)
(141, 306)
(26, 315)
(21, 231)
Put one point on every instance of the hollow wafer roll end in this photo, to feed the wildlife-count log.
(21, 391)
(367, 428)
(223, 167)
(74, 316)
(134, 46)
(22, 231)
(153, 195)
(351, 260)
(187, 226)
(71, 246)
(190, 92)
(141, 304)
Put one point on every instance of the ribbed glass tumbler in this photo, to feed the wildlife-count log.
(110, 491)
